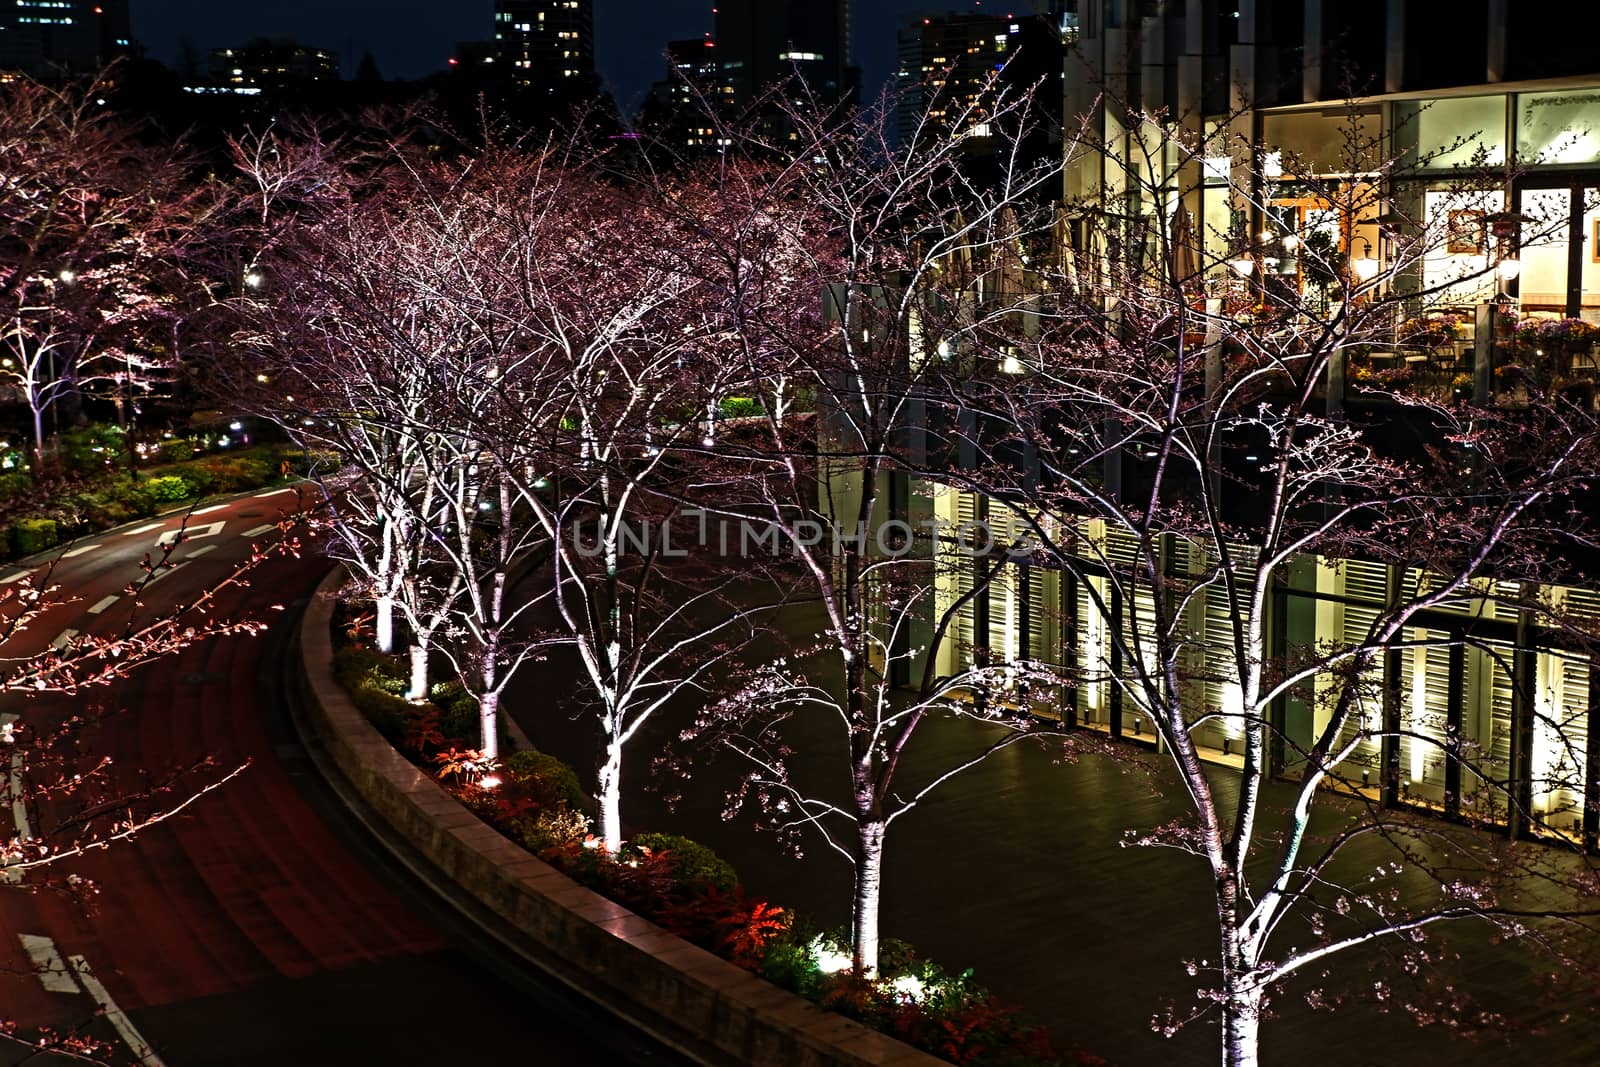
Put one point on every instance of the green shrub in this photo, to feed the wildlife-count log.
(458, 711)
(14, 485)
(169, 488)
(739, 407)
(229, 474)
(375, 682)
(692, 861)
(790, 964)
(89, 448)
(549, 781)
(174, 449)
(33, 535)
(558, 827)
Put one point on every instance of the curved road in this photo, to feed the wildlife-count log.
(263, 925)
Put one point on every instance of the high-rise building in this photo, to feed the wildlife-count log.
(954, 69)
(266, 65)
(59, 38)
(763, 43)
(681, 107)
(546, 46)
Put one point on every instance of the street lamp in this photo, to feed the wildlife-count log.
(1364, 267)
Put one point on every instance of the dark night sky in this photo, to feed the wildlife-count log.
(415, 37)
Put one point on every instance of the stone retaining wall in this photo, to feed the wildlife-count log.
(637, 968)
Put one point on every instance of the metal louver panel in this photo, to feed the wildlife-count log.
(1424, 706)
(1369, 584)
(1223, 624)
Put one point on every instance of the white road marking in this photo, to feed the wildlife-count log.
(47, 964)
(79, 551)
(100, 605)
(207, 511)
(143, 529)
(202, 550)
(275, 492)
(131, 1037)
(164, 571)
(257, 531)
(17, 577)
(19, 813)
(193, 533)
(63, 639)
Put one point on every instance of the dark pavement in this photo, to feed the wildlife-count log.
(1018, 870)
(264, 924)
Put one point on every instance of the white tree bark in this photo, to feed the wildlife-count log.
(489, 709)
(609, 786)
(418, 689)
(384, 625)
(1241, 1028)
(868, 891)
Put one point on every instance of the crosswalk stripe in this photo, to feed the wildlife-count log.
(47, 964)
(124, 1026)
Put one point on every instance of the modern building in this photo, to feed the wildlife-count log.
(763, 44)
(953, 68)
(1277, 94)
(1278, 126)
(546, 46)
(680, 108)
(62, 38)
(271, 66)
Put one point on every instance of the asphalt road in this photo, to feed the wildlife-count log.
(263, 925)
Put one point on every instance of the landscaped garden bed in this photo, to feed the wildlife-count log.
(682, 886)
(88, 486)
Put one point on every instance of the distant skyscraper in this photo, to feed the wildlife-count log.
(546, 45)
(954, 67)
(676, 110)
(266, 65)
(763, 42)
(53, 38)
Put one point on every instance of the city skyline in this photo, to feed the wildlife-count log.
(412, 39)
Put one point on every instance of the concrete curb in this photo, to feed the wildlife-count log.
(632, 965)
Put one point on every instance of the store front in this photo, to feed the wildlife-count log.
(1481, 712)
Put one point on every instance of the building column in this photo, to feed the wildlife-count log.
(1394, 65)
(1314, 44)
(1499, 31)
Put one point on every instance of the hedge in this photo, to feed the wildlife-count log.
(33, 535)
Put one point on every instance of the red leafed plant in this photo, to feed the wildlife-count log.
(983, 1026)
(423, 734)
(751, 929)
(460, 767)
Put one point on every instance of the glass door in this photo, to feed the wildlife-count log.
(1560, 250)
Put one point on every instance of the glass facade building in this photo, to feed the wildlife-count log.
(1496, 676)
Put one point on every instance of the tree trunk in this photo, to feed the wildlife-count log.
(609, 786)
(489, 723)
(1241, 1028)
(1242, 995)
(384, 626)
(864, 908)
(38, 435)
(419, 671)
